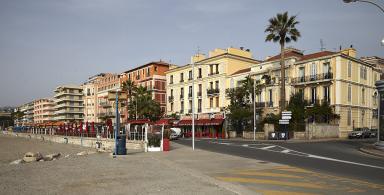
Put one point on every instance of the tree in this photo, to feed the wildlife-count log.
(240, 113)
(297, 105)
(143, 106)
(282, 29)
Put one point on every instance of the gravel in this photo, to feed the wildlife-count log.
(93, 173)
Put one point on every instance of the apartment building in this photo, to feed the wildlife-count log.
(43, 110)
(339, 78)
(69, 103)
(105, 110)
(152, 76)
(27, 110)
(211, 79)
(90, 89)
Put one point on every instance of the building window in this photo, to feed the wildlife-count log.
(349, 117)
(374, 99)
(181, 93)
(270, 97)
(190, 106)
(182, 107)
(349, 93)
(217, 84)
(171, 79)
(217, 68)
(326, 94)
(155, 68)
(217, 102)
(171, 92)
(362, 118)
(211, 69)
(147, 71)
(181, 77)
(199, 105)
(190, 91)
(199, 75)
(211, 85)
(313, 95)
(363, 96)
(200, 90)
(211, 102)
(313, 71)
(349, 68)
(190, 75)
(302, 74)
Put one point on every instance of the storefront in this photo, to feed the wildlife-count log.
(212, 128)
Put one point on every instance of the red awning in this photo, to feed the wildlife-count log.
(201, 122)
(165, 121)
(138, 121)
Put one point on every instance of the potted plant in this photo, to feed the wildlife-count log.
(154, 143)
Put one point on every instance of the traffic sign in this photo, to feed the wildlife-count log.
(286, 113)
(283, 122)
(286, 117)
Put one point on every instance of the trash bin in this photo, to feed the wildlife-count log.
(283, 135)
(121, 145)
(272, 135)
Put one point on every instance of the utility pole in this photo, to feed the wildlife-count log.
(193, 104)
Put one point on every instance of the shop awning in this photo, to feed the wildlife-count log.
(138, 121)
(201, 122)
(165, 121)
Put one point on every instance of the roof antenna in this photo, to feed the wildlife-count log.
(322, 48)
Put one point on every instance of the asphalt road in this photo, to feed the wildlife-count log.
(338, 158)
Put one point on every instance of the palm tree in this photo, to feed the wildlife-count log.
(130, 87)
(282, 29)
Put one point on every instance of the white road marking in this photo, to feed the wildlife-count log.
(302, 154)
(224, 143)
(267, 147)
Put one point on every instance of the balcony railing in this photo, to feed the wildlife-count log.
(190, 78)
(211, 92)
(317, 77)
(213, 73)
(170, 98)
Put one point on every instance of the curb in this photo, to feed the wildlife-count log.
(373, 152)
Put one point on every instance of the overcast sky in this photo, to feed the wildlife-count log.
(45, 43)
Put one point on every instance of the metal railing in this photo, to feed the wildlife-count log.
(317, 77)
(171, 98)
(211, 92)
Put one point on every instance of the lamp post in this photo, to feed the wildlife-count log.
(365, 1)
(193, 102)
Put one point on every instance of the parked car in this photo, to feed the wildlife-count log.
(373, 133)
(360, 133)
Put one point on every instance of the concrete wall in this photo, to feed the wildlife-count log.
(106, 144)
(321, 131)
(249, 135)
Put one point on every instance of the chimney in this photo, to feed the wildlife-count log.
(242, 48)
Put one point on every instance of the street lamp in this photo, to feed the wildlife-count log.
(193, 102)
(365, 1)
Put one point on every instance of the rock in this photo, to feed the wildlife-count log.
(32, 157)
(83, 153)
(16, 162)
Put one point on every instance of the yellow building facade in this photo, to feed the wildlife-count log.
(339, 78)
(211, 79)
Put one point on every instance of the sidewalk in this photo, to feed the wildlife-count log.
(372, 150)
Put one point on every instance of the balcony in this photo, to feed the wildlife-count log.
(105, 104)
(213, 73)
(312, 78)
(170, 98)
(107, 114)
(199, 76)
(190, 79)
(213, 92)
